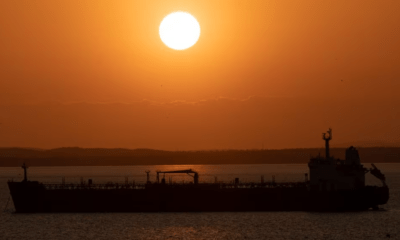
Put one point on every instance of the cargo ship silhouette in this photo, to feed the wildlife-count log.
(333, 185)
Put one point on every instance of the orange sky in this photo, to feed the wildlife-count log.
(96, 74)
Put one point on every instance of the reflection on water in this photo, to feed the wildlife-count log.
(248, 225)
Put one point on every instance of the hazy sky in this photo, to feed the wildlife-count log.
(273, 73)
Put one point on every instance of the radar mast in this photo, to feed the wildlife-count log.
(327, 139)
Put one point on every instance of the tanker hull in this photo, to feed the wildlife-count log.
(37, 197)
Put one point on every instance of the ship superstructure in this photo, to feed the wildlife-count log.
(332, 174)
(334, 185)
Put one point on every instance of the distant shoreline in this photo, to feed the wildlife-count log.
(14, 157)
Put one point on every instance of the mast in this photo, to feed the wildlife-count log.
(327, 139)
(148, 176)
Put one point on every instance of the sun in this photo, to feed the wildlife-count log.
(179, 30)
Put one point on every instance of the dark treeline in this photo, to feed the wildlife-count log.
(13, 157)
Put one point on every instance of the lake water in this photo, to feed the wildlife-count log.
(229, 225)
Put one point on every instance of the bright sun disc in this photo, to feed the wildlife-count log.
(179, 30)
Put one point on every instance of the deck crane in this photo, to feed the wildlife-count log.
(188, 172)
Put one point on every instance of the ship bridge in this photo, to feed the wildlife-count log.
(330, 174)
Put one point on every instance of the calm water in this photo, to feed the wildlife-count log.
(230, 225)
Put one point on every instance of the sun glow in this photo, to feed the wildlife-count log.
(179, 30)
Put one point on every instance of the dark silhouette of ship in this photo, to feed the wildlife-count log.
(334, 185)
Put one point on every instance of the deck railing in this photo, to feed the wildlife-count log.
(111, 186)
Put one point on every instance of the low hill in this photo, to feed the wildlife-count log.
(12, 157)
